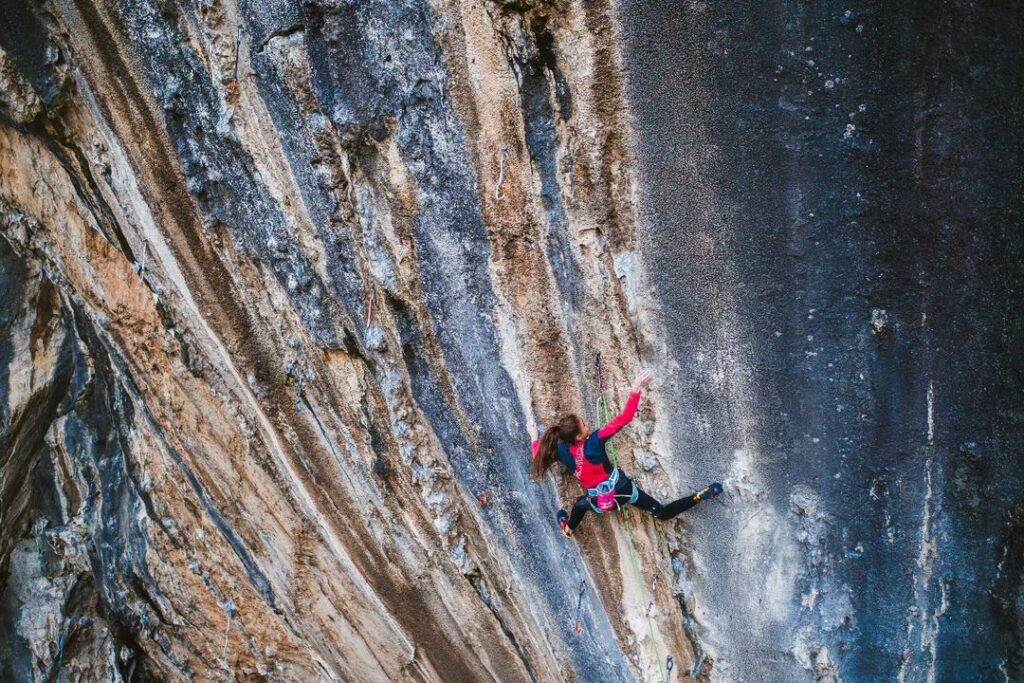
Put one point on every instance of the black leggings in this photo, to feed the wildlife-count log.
(643, 502)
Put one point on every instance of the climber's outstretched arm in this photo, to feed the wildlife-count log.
(622, 419)
(629, 412)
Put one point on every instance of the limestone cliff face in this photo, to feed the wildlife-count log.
(284, 281)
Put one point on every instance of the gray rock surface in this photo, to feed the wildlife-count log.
(831, 211)
(283, 283)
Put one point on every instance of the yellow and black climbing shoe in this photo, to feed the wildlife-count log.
(710, 491)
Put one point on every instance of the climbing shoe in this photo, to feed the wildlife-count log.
(563, 522)
(710, 491)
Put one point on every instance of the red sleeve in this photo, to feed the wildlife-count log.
(534, 446)
(623, 419)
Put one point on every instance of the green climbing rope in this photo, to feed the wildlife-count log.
(603, 416)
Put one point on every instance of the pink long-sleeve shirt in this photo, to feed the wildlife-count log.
(590, 451)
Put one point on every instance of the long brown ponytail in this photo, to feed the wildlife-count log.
(568, 430)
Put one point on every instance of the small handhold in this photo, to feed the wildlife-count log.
(879, 320)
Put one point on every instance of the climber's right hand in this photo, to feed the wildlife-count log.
(642, 380)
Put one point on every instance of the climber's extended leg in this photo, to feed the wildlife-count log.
(648, 504)
(579, 508)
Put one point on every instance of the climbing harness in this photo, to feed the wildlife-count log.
(604, 494)
(603, 415)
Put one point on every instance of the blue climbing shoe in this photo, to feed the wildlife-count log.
(563, 522)
(712, 490)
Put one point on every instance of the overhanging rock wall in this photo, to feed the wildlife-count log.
(282, 283)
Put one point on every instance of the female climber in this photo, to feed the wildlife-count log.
(583, 453)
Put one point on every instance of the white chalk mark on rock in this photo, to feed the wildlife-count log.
(501, 172)
(931, 413)
(928, 627)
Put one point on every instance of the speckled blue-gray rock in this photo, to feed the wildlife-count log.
(830, 204)
(283, 283)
